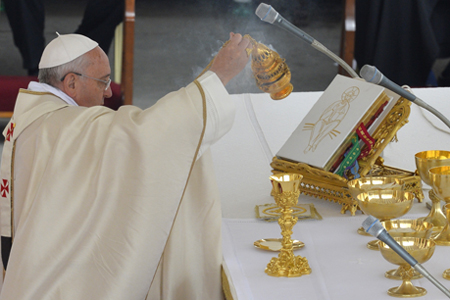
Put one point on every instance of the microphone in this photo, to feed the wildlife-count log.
(372, 74)
(373, 226)
(268, 14)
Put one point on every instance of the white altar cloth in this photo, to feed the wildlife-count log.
(342, 266)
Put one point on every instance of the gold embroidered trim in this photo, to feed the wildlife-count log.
(11, 184)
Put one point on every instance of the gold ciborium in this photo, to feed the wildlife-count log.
(419, 248)
(271, 72)
(286, 190)
(446, 273)
(406, 228)
(384, 204)
(440, 182)
(359, 185)
(426, 160)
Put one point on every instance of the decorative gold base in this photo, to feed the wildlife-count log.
(446, 274)
(373, 245)
(407, 290)
(396, 274)
(288, 265)
(361, 231)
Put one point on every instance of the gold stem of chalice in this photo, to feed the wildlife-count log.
(419, 248)
(359, 185)
(446, 273)
(384, 204)
(440, 182)
(436, 215)
(425, 161)
(286, 190)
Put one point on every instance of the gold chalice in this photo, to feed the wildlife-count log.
(384, 204)
(406, 228)
(440, 182)
(446, 273)
(419, 248)
(359, 185)
(426, 160)
(286, 190)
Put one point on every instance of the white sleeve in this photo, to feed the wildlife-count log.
(220, 110)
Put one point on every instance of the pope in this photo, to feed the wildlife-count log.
(103, 204)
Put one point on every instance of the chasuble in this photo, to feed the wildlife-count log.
(114, 204)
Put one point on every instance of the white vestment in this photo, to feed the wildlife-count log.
(95, 193)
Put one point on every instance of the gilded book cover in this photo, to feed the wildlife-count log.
(326, 131)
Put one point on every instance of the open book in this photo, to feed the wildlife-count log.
(329, 129)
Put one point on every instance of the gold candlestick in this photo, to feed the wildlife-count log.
(286, 189)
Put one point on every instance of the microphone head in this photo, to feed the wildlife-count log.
(372, 226)
(266, 13)
(371, 74)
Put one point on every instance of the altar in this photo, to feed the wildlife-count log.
(342, 266)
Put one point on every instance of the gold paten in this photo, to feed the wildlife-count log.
(286, 192)
(440, 182)
(271, 212)
(329, 186)
(276, 244)
(419, 248)
(426, 160)
(384, 204)
(407, 228)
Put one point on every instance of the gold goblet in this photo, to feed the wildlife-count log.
(425, 161)
(419, 248)
(359, 185)
(440, 182)
(286, 190)
(384, 205)
(446, 273)
(406, 228)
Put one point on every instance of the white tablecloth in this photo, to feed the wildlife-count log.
(342, 266)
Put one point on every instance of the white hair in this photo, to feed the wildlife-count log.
(53, 76)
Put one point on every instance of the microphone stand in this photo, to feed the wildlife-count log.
(263, 10)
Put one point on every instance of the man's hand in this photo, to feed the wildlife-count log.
(232, 58)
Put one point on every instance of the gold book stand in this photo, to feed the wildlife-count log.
(332, 187)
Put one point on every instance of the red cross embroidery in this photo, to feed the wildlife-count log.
(4, 189)
(10, 132)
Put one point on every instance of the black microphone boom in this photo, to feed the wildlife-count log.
(372, 74)
(373, 226)
(267, 14)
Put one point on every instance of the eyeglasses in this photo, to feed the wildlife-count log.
(106, 82)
